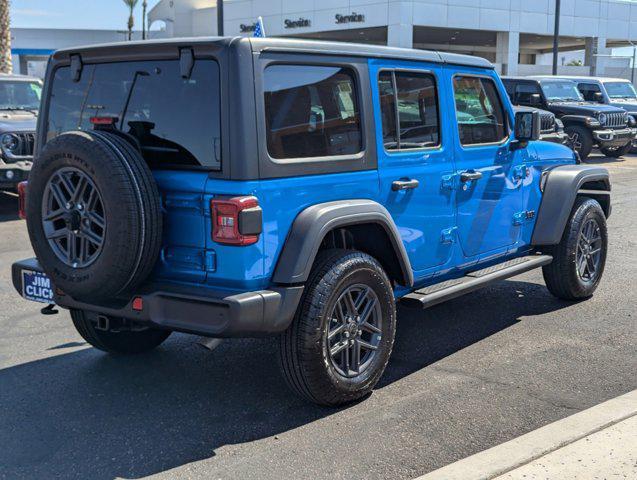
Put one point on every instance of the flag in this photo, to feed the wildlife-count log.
(259, 30)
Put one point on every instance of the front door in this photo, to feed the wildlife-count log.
(414, 157)
(489, 173)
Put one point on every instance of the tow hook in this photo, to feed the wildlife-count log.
(49, 310)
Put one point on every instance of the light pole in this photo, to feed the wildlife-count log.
(220, 18)
(144, 6)
(556, 35)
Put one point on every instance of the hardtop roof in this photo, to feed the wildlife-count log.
(296, 45)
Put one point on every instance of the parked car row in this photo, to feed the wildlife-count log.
(594, 112)
(19, 105)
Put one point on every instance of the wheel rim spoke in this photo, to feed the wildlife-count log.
(338, 348)
(337, 331)
(57, 234)
(356, 356)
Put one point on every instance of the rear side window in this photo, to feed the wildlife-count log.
(589, 91)
(524, 92)
(176, 120)
(311, 111)
(479, 111)
(409, 100)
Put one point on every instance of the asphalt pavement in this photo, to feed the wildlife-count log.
(464, 376)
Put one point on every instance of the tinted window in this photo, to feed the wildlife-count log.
(311, 111)
(413, 99)
(588, 91)
(556, 90)
(620, 90)
(20, 95)
(176, 120)
(479, 111)
(524, 92)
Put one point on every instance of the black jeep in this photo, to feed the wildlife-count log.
(551, 127)
(588, 124)
(19, 104)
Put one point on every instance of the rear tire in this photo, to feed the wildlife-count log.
(124, 342)
(573, 275)
(580, 139)
(617, 152)
(323, 356)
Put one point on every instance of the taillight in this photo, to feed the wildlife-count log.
(236, 220)
(22, 200)
(104, 121)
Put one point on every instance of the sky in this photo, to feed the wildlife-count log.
(90, 14)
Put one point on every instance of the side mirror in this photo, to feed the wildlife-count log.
(527, 126)
(536, 99)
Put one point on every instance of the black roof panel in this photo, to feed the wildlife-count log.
(294, 45)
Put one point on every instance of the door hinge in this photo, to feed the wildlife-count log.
(448, 235)
(449, 181)
(520, 172)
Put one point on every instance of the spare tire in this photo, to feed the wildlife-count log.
(94, 214)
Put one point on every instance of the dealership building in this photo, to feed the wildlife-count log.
(516, 35)
(31, 47)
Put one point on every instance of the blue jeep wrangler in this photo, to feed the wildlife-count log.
(241, 187)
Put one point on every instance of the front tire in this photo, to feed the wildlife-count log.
(339, 343)
(580, 139)
(616, 152)
(124, 341)
(580, 257)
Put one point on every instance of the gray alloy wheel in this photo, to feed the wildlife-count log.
(354, 332)
(589, 251)
(73, 217)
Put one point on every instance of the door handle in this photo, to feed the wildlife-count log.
(470, 176)
(404, 184)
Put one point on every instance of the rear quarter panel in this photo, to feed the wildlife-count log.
(282, 200)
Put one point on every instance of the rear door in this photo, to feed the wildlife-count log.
(489, 173)
(414, 158)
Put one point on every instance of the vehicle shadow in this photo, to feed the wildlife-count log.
(86, 414)
(8, 207)
(426, 336)
(600, 159)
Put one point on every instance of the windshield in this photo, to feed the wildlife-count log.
(20, 95)
(176, 120)
(561, 91)
(620, 90)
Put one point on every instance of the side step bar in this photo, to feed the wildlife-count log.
(440, 292)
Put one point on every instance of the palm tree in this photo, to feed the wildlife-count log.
(131, 4)
(5, 37)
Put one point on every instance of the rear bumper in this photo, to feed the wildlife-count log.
(203, 311)
(614, 138)
(13, 173)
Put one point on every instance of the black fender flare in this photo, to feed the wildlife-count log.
(580, 120)
(563, 185)
(312, 225)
